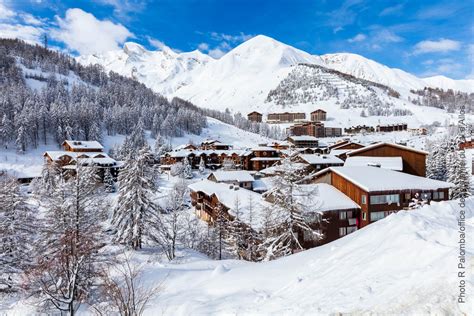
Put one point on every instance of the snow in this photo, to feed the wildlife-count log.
(392, 163)
(263, 148)
(234, 175)
(303, 138)
(327, 198)
(228, 195)
(373, 179)
(80, 144)
(376, 145)
(317, 159)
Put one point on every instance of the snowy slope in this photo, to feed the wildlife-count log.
(163, 71)
(368, 69)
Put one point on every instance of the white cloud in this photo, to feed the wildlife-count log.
(84, 33)
(122, 8)
(5, 12)
(156, 43)
(442, 45)
(203, 47)
(241, 37)
(358, 38)
(392, 10)
(31, 20)
(386, 36)
(216, 53)
(27, 33)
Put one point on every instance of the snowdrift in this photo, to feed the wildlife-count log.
(404, 264)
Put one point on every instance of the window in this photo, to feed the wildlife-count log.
(407, 196)
(342, 231)
(385, 199)
(364, 216)
(364, 199)
(438, 195)
(351, 229)
(426, 196)
(342, 215)
(375, 216)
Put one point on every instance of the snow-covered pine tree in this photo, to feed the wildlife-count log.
(187, 169)
(69, 243)
(109, 183)
(21, 140)
(6, 131)
(202, 165)
(290, 201)
(458, 175)
(18, 229)
(136, 213)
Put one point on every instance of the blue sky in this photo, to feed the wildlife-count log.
(423, 37)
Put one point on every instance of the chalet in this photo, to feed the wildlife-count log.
(212, 144)
(414, 160)
(263, 157)
(338, 143)
(239, 178)
(468, 143)
(418, 131)
(347, 145)
(380, 192)
(279, 145)
(285, 117)
(391, 163)
(392, 127)
(255, 117)
(82, 146)
(318, 115)
(303, 141)
(209, 198)
(186, 147)
(320, 162)
(278, 169)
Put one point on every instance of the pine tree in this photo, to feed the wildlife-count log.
(187, 170)
(17, 234)
(21, 140)
(136, 213)
(109, 182)
(6, 131)
(202, 165)
(458, 175)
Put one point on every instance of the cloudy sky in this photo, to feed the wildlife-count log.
(423, 37)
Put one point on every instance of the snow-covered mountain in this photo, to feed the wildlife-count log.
(243, 79)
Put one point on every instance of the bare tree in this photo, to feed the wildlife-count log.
(124, 290)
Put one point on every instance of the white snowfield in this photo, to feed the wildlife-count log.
(392, 163)
(404, 264)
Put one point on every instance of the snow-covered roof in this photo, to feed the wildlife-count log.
(392, 163)
(85, 157)
(237, 175)
(187, 152)
(297, 166)
(373, 179)
(317, 159)
(265, 159)
(337, 152)
(81, 144)
(369, 147)
(303, 138)
(328, 198)
(228, 195)
(344, 144)
(263, 148)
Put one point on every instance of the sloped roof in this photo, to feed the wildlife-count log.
(316, 159)
(392, 163)
(81, 144)
(303, 138)
(237, 175)
(376, 145)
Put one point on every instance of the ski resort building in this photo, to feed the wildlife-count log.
(392, 127)
(320, 161)
(414, 160)
(255, 117)
(315, 129)
(212, 144)
(318, 115)
(86, 153)
(303, 141)
(241, 178)
(263, 157)
(285, 117)
(380, 192)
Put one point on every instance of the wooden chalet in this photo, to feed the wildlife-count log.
(319, 161)
(303, 141)
(380, 192)
(213, 144)
(392, 127)
(263, 157)
(241, 178)
(318, 115)
(346, 145)
(82, 146)
(255, 117)
(414, 160)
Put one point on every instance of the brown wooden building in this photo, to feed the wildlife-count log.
(82, 146)
(315, 129)
(303, 141)
(347, 145)
(318, 115)
(380, 192)
(263, 157)
(467, 144)
(392, 127)
(414, 160)
(255, 117)
(285, 117)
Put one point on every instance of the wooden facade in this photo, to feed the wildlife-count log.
(263, 158)
(255, 117)
(363, 198)
(392, 127)
(76, 146)
(348, 145)
(303, 141)
(318, 115)
(414, 161)
(286, 117)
